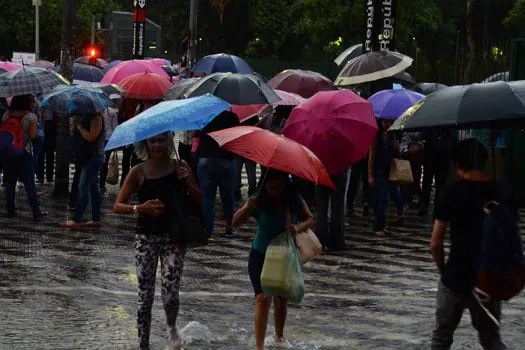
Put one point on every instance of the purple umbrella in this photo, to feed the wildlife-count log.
(391, 104)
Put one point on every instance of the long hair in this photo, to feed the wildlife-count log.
(142, 150)
(21, 103)
(289, 195)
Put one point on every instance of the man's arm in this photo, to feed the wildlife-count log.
(437, 244)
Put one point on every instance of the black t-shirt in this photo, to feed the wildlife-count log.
(208, 148)
(461, 205)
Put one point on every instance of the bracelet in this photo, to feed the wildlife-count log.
(135, 210)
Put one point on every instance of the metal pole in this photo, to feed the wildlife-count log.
(92, 29)
(193, 29)
(457, 58)
(37, 29)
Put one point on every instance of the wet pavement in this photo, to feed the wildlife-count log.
(67, 289)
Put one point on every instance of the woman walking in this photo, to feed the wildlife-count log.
(156, 181)
(269, 207)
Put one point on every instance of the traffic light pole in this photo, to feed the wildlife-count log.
(37, 29)
(193, 34)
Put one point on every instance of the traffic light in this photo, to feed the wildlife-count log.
(93, 52)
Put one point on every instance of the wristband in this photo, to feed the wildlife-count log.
(135, 209)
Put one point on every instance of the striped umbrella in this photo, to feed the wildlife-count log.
(29, 80)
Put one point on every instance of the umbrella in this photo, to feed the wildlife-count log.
(349, 54)
(145, 86)
(503, 76)
(2, 70)
(159, 61)
(84, 72)
(99, 62)
(391, 104)
(43, 64)
(126, 68)
(245, 112)
(222, 63)
(76, 99)
(338, 126)
(467, 106)
(110, 65)
(9, 66)
(108, 89)
(273, 151)
(248, 111)
(237, 89)
(180, 88)
(29, 80)
(179, 115)
(428, 88)
(405, 78)
(372, 66)
(288, 99)
(302, 82)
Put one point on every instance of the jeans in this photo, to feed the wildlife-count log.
(73, 194)
(382, 189)
(358, 173)
(46, 158)
(433, 166)
(449, 310)
(21, 167)
(331, 235)
(87, 185)
(213, 173)
(251, 171)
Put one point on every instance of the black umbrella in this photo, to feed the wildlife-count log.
(372, 66)
(428, 88)
(404, 78)
(502, 76)
(467, 106)
(349, 54)
(180, 88)
(237, 89)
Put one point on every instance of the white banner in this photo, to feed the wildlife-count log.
(24, 57)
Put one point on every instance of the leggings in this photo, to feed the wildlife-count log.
(148, 250)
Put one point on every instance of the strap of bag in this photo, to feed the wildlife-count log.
(478, 294)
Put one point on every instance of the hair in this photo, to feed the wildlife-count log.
(142, 150)
(21, 103)
(289, 194)
(470, 155)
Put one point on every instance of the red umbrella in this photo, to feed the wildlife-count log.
(145, 86)
(302, 82)
(338, 126)
(273, 151)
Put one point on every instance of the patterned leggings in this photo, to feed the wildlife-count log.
(148, 249)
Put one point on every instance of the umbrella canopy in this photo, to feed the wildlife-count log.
(338, 126)
(288, 99)
(237, 89)
(273, 151)
(9, 66)
(405, 78)
(84, 72)
(29, 80)
(2, 70)
(222, 63)
(76, 99)
(145, 86)
(245, 112)
(428, 88)
(302, 82)
(180, 88)
(503, 76)
(372, 66)
(43, 64)
(179, 115)
(349, 54)
(159, 61)
(108, 89)
(126, 68)
(110, 65)
(391, 104)
(468, 106)
(99, 62)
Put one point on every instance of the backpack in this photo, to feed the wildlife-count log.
(502, 265)
(12, 135)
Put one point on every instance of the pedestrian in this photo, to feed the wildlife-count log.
(90, 128)
(382, 152)
(412, 150)
(46, 159)
(359, 173)
(460, 206)
(217, 169)
(110, 124)
(269, 207)
(155, 181)
(22, 166)
(185, 143)
(251, 168)
(275, 121)
(127, 111)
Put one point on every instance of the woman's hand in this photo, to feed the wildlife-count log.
(184, 173)
(293, 229)
(153, 208)
(371, 180)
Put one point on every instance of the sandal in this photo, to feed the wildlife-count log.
(70, 224)
(93, 224)
(381, 234)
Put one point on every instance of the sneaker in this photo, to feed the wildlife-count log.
(230, 232)
(40, 215)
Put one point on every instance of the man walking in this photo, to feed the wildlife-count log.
(46, 158)
(460, 205)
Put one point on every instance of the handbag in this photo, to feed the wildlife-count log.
(188, 228)
(401, 172)
(113, 171)
(306, 242)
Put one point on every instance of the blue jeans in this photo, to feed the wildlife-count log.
(21, 167)
(382, 190)
(213, 173)
(88, 184)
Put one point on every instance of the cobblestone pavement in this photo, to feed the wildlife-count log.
(66, 289)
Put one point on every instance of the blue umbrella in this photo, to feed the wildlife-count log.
(76, 99)
(177, 115)
(110, 65)
(85, 72)
(391, 104)
(222, 63)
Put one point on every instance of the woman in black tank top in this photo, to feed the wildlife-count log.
(156, 181)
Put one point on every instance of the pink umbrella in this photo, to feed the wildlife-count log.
(43, 64)
(126, 68)
(158, 61)
(9, 66)
(288, 99)
(302, 82)
(337, 126)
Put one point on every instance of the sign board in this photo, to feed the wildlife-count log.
(380, 23)
(139, 28)
(24, 57)
(369, 42)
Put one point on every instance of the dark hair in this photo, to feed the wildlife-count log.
(470, 155)
(21, 103)
(289, 195)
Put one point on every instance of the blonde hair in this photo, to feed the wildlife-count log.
(142, 150)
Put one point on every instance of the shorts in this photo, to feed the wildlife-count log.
(255, 267)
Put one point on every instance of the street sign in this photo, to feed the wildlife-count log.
(139, 28)
(39, 2)
(24, 57)
(380, 23)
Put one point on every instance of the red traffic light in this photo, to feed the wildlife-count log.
(93, 52)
